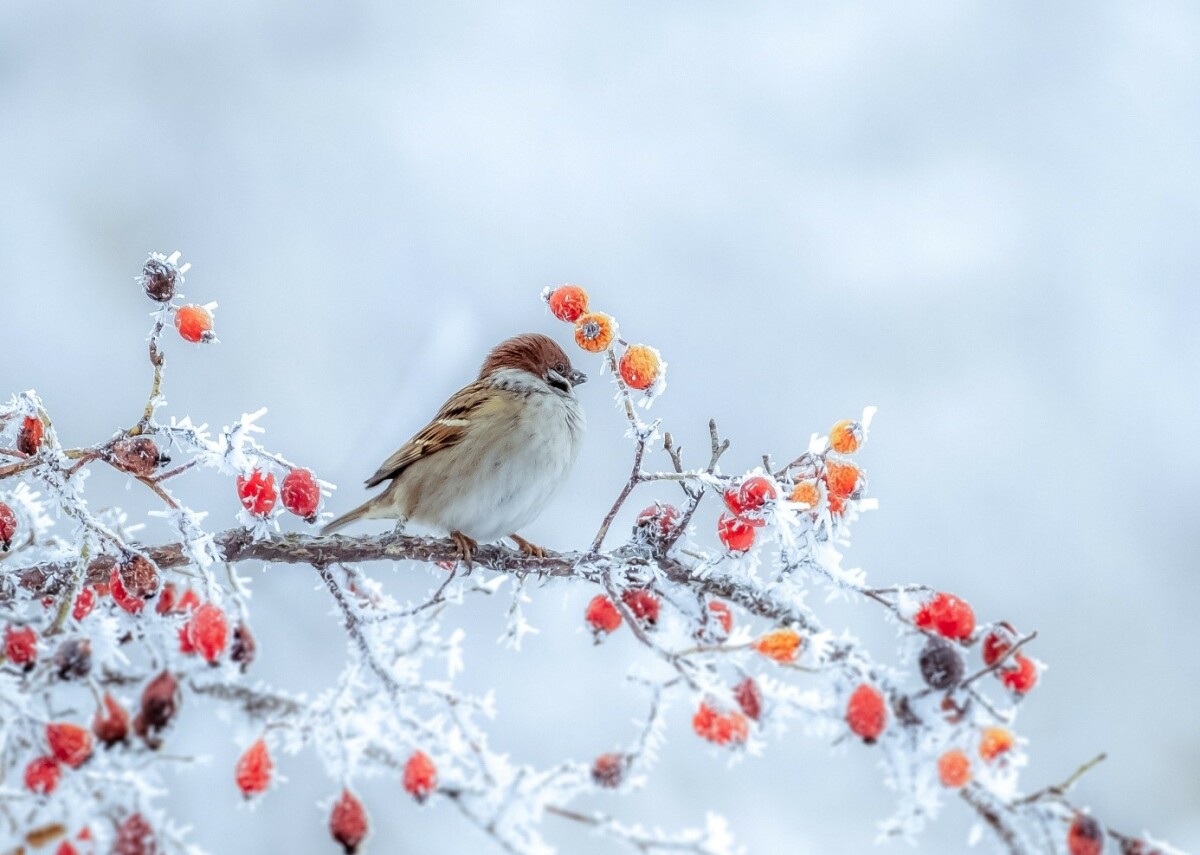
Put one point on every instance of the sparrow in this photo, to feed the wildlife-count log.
(494, 455)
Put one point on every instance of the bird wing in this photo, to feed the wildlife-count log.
(446, 430)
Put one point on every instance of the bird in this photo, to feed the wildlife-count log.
(493, 457)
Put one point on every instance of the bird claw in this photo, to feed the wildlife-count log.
(466, 546)
(531, 550)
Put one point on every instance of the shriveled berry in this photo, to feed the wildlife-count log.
(1085, 836)
(602, 615)
(781, 645)
(160, 702)
(420, 776)
(1021, 677)
(843, 479)
(189, 602)
(954, 769)
(195, 324)
(595, 331)
(243, 648)
(735, 534)
(29, 438)
(642, 604)
(720, 728)
(139, 576)
(257, 492)
(111, 722)
(640, 366)
(947, 615)
(73, 659)
(657, 522)
(137, 455)
(20, 646)
(122, 597)
(806, 493)
(69, 743)
(208, 632)
(846, 436)
(253, 771)
(84, 603)
(998, 642)
(165, 604)
(749, 698)
(42, 774)
(567, 302)
(941, 665)
(8, 527)
(720, 612)
(300, 494)
(866, 712)
(994, 742)
(159, 278)
(348, 822)
(135, 836)
(608, 770)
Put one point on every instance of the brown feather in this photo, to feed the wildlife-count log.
(533, 352)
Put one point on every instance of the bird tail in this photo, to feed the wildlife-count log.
(363, 510)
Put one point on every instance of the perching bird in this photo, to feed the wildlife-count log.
(493, 456)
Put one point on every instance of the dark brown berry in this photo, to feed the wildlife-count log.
(749, 698)
(243, 647)
(941, 666)
(608, 770)
(137, 455)
(160, 702)
(73, 659)
(111, 722)
(138, 575)
(135, 836)
(158, 279)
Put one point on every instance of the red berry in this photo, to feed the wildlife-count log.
(735, 534)
(208, 632)
(111, 723)
(257, 492)
(747, 500)
(657, 521)
(602, 615)
(84, 603)
(866, 713)
(420, 776)
(69, 743)
(720, 728)
(567, 302)
(20, 646)
(8, 526)
(253, 771)
(185, 640)
(749, 698)
(348, 822)
(166, 600)
(954, 769)
(947, 615)
(190, 601)
(608, 770)
(722, 615)
(643, 604)
(997, 643)
(1085, 836)
(300, 494)
(195, 324)
(66, 848)
(843, 479)
(122, 597)
(42, 774)
(135, 836)
(1022, 677)
(29, 439)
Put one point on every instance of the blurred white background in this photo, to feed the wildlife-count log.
(980, 217)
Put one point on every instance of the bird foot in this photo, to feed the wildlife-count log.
(466, 546)
(530, 549)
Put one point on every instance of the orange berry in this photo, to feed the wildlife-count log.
(846, 436)
(195, 324)
(866, 712)
(420, 776)
(595, 331)
(782, 645)
(567, 302)
(806, 493)
(720, 728)
(254, 767)
(842, 478)
(994, 742)
(640, 366)
(837, 505)
(69, 743)
(954, 769)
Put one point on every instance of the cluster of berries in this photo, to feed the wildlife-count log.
(641, 367)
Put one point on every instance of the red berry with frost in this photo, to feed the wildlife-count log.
(720, 728)
(643, 605)
(749, 698)
(253, 771)
(954, 769)
(139, 576)
(121, 596)
(994, 742)
(748, 499)
(866, 713)
(602, 615)
(567, 302)
(195, 324)
(948, 616)
(66, 848)
(257, 492)
(348, 822)
(42, 774)
(111, 722)
(1021, 677)
(20, 646)
(300, 494)
(189, 602)
(735, 534)
(657, 522)
(69, 743)
(135, 836)
(997, 643)
(1085, 836)
(420, 776)
(208, 632)
(84, 603)
(29, 439)
(608, 770)
(8, 527)
(846, 436)
(720, 613)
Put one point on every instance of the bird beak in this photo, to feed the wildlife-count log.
(577, 377)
